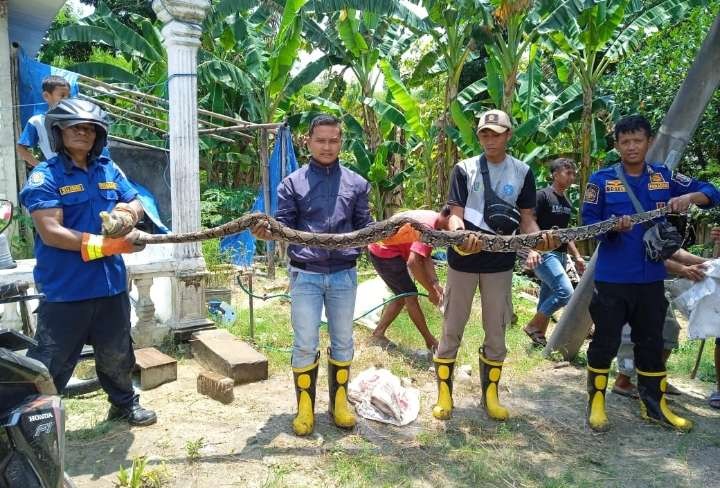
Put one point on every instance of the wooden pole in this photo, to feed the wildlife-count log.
(247, 126)
(137, 143)
(270, 245)
(104, 92)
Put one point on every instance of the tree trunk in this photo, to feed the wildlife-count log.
(395, 197)
(509, 92)
(586, 127)
(372, 131)
(448, 150)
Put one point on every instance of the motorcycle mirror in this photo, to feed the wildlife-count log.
(6, 212)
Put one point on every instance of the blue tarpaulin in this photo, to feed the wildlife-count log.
(31, 74)
(150, 206)
(241, 247)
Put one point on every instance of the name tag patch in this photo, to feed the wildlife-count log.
(107, 185)
(64, 190)
(661, 185)
(612, 186)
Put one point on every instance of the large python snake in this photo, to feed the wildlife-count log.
(379, 231)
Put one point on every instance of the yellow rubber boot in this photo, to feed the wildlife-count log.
(305, 381)
(596, 385)
(490, 373)
(444, 372)
(653, 406)
(338, 378)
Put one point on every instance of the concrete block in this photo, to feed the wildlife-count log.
(155, 368)
(220, 351)
(216, 386)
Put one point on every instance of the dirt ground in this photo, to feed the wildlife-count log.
(249, 443)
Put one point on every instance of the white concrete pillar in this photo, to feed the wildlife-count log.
(182, 21)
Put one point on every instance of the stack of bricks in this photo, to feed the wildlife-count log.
(216, 386)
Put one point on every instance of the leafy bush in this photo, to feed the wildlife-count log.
(220, 205)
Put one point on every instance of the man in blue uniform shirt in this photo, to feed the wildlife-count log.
(629, 286)
(79, 270)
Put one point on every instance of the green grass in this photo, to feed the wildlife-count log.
(683, 359)
(273, 332)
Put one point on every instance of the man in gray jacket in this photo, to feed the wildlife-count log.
(322, 197)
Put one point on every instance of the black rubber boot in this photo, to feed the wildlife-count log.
(597, 381)
(134, 413)
(490, 372)
(653, 406)
(338, 378)
(444, 372)
(305, 380)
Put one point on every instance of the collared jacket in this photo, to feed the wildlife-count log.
(621, 255)
(57, 183)
(323, 199)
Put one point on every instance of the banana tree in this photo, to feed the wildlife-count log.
(421, 131)
(451, 28)
(587, 43)
(358, 34)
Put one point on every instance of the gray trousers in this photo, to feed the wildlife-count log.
(496, 311)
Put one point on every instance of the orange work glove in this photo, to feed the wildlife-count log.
(120, 221)
(96, 247)
(405, 235)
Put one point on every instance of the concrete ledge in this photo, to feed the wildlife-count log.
(155, 368)
(222, 352)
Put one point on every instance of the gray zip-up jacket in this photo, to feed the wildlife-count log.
(323, 199)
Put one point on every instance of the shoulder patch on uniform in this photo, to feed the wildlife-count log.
(37, 178)
(614, 186)
(592, 191)
(107, 185)
(656, 178)
(64, 190)
(681, 179)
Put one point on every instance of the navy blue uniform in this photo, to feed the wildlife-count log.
(86, 302)
(629, 287)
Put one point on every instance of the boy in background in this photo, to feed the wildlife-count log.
(54, 89)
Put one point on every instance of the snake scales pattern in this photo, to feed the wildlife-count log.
(379, 231)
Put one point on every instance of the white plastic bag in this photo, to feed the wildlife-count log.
(701, 303)
(379, 395)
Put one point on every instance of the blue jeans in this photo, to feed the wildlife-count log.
(309, 292)
(556, 288)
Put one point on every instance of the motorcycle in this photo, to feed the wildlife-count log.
(32, 416)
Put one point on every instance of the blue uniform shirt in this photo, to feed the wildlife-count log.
(621, 255)
(62, 275)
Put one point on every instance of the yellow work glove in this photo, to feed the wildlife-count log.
(120, 221)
